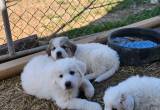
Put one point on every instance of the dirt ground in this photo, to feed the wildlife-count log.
(12, 96)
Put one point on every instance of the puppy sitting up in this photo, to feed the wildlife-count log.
(102, 61)
(59, 81)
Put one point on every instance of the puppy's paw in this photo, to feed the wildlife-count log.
(90, 92)
(62, 105)
(95, 106)
(98, 107)
(88, 88)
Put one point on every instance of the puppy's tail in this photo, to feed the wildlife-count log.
(108, 73)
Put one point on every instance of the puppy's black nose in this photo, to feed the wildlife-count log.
(59, 54)
(68, 85)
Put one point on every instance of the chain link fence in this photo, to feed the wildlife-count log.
(46, 17)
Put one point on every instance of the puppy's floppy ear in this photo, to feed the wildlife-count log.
(71, 46)
(81, 68)
(127, 102)
(48, 50)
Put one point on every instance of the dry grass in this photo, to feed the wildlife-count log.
(13, 98)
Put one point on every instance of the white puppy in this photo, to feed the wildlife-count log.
(102, 61)
(135, 93)
(59, 81)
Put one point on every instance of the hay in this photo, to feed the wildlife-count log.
(12, 97)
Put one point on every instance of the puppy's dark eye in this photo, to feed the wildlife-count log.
(64, 47)
(71, 72)
(61, 76)
(53, 48)
(114, 109)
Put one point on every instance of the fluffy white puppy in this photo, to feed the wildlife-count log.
(102, 61)
(135, 93)
(59, 81)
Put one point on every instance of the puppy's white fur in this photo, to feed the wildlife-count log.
(44, 78)
(102, 61)
(135, 93)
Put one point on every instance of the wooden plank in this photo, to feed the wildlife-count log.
(5, 58)
(14, 67)
(148, 23)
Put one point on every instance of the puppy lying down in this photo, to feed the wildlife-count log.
(102, 61)
(135, 93)
(59, 81)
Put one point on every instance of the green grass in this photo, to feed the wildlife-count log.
(90, 29)
(127, 3)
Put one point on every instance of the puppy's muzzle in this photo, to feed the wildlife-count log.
(59, 55)
(68, 85)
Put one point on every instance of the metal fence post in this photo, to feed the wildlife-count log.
(6, 24)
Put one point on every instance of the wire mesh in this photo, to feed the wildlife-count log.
(43, 17)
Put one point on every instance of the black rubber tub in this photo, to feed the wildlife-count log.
(136, 56)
